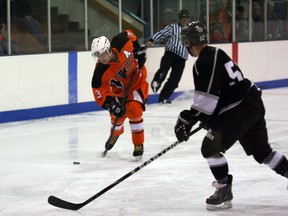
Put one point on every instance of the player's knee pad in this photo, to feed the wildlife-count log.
(118, 130)
(210, 147)
(263, 155)
(134, 110)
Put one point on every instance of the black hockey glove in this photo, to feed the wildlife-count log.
(140, 55)
(184, 125)
(115, 109)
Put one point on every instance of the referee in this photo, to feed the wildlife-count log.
(174, 57)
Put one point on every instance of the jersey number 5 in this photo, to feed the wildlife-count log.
(233, 74)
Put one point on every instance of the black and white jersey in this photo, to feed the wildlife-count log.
(219, 83)
(172, 34)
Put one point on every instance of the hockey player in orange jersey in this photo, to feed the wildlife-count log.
(119, 63)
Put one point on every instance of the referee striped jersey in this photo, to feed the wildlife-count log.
(172, 34)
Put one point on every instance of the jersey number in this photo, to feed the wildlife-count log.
(233, 74)
(98, 94)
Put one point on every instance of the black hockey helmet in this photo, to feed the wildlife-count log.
(193, 34)
(183, 14)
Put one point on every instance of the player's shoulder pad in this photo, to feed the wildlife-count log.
(119, 41)
(131, 35)
(223, 56)
(98, 73)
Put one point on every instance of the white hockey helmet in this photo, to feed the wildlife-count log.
(100, 45)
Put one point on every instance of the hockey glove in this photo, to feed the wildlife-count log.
(184, 125)
(116, 110)
(112, 105)
(140, 55)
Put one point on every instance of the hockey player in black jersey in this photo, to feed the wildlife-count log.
(230, 107)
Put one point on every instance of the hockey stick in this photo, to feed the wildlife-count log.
(75, 206)
(122, 107)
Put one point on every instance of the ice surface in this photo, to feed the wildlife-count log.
(37, 161)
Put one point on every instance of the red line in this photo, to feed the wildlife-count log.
(235, 52)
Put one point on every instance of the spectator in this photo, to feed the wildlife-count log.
(272, 22)
(4, 42)
(242, 25)
(1, 51)
(168, 17)
(2, 25)
(258, 22)
(3, 32)
(174, 57)
(221, 23)
(281, 11)
(21, 14)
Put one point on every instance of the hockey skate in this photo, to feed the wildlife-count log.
(222, 197)
(165, 101)
(155, 86)
(110, 143)
(138, 151)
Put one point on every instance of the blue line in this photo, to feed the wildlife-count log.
(273, 84)
(45, 112)
(72, 77)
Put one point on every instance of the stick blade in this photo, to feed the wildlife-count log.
(104, 153)
(55, 201)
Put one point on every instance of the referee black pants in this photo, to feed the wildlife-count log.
(177, 64)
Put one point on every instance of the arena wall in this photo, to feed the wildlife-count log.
(47, 85)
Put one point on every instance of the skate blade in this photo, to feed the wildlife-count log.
(224, 205)
(137, 158)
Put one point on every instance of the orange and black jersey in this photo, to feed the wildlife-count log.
(112, 79)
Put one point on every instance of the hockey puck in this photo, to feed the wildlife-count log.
(76, 162)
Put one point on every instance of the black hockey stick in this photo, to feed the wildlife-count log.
(75, 206)
(123, 102)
